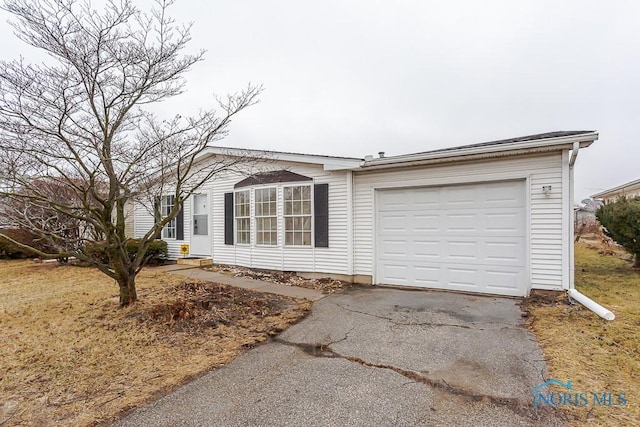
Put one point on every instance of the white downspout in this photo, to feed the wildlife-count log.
(572, 292)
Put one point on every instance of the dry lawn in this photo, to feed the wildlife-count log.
(69, 356)
(597, 355)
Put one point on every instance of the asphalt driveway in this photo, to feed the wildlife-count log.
(375, 356)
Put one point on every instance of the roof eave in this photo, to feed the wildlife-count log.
(328, 162)
(488, 151)
(615, 190)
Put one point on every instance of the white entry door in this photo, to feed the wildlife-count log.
(459, 237)
(200, 226)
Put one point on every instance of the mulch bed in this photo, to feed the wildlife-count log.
(325, 285)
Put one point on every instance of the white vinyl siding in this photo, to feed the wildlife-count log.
(544, 214)
(144, 219)
(333, 259)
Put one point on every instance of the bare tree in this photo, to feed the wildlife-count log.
(76, 140)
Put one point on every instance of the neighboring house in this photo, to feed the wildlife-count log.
(630, 189)
(585, 212)
(494, 218)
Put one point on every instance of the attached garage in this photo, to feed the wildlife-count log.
(469, 237)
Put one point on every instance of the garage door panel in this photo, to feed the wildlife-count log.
(503, 222)
(426, 198)
(426, 223)
(394, 223)
(501, 281)
(461, 250)
(394, 248)
(469, 237)
(457, 222)
(463, 277)
(428, 276)
(459, 197)
(503, 195)
(427, 249)
(503, 252)
(398, 273)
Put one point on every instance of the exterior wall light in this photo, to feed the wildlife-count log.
(546, 189)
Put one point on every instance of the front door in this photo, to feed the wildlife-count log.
(200, 232)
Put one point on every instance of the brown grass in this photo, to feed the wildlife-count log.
(70, 356)
(597, 355)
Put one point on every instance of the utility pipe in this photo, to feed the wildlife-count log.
(591, 305)
(572, 292)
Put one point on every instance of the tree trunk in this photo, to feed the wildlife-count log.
(636, 263)
(128, 294)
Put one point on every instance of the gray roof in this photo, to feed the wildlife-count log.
(535, 137)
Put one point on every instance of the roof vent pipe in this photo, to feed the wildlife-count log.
(381, 154)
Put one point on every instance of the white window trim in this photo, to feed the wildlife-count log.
(285, 216)
(236, 218)
(173, 224)
(255, 217)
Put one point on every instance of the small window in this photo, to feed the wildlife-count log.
(166, 206)
(266, 214)
(242, 205)
(297, 215)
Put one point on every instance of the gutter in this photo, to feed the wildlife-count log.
(572, 292)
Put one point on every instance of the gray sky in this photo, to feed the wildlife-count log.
(350, 78)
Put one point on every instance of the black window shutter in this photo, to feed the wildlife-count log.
(321, 215)
(228, 218)
(180, 223)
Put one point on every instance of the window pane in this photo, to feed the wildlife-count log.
(200, 225)
(306, 207)
(287, 193)
(297, 238)
(306, 223)
(306, 192)
(306, 237)
(289, 239)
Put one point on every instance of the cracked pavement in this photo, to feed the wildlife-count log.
(375, 356)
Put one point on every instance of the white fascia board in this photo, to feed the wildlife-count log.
(560, 143)
(329, 163)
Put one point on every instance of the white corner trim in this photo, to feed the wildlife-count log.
(566, 218)
(350, 223)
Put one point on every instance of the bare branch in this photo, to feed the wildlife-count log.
(77, 146)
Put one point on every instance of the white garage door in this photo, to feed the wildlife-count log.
(459, 237)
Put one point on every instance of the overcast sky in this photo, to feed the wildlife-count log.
(350, 78)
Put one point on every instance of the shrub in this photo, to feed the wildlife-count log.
(157, 252)
(621, 222)
(10, 250)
